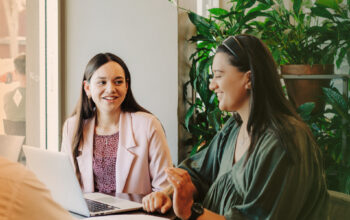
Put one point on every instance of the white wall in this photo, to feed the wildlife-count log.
(144, 34)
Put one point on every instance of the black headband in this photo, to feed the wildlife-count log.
(229, 44)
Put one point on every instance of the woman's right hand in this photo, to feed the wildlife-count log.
(184, 191)
(156, 201)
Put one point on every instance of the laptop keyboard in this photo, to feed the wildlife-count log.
(95, 206)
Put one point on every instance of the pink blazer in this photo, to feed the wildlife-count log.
(142, 153)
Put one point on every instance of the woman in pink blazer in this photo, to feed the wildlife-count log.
(116, 146)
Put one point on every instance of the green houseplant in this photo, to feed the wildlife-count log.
(296, 35)
(307, 32)
(307, 38)
(336, 26)
(330, 128)
(300, 41)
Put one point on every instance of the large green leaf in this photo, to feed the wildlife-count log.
(199, 51)
(329, 3)
(201, 38)
(251, 16)
(269, 2)
(204, 92)
(202, 24)
(192, 73)
(218, 11)
(188, 116)
(336, 99)
(305, 110)
(214, 119)
(341, 56)
(260, 7)
(204, 67)
(212, 98)
(239, 5)
(229, 14)
(297, 6)
(322, 12)
(233, 30)
(248, 4)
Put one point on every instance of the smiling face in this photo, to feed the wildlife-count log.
(107, 87)
(230, 85)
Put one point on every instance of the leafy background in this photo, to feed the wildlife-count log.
(308, 32)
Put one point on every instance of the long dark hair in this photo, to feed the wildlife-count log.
(86, 108)
(270, 109)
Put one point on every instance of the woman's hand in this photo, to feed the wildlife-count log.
(156, 201)
(183, 191)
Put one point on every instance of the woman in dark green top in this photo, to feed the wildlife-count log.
(264, 163)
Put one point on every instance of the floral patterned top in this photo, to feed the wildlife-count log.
(104, 160)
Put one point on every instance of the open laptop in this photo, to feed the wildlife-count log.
(55, 170)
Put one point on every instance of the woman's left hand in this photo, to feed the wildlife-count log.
(183, 191)
(156, 201)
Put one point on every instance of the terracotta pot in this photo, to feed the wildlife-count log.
(310, 90)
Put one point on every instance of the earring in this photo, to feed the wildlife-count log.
(248, 86)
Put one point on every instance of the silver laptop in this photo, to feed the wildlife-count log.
(55, 170)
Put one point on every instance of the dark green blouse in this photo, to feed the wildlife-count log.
(276, 182)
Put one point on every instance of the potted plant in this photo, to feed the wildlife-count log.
(301, 40)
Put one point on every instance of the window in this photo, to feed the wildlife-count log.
(204, 5)
(12, 67)
(29, 76)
